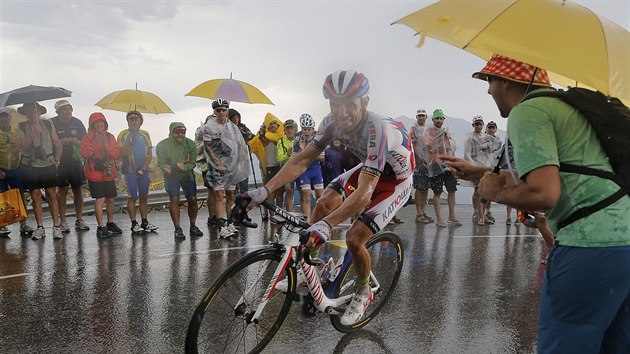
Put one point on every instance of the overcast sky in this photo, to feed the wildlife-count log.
(285, 48)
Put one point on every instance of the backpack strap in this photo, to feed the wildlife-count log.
(586, 211)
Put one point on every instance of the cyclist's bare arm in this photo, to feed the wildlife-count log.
(357, 201)
(294, 167)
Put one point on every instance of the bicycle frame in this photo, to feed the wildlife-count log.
(324, 299)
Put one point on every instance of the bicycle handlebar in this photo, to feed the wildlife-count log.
(239, 213)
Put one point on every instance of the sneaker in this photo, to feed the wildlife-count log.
(102, 231)
(64, 227)
(81, 225)
(490, 217)
(4, 232)
(26, 229)
(179, 233)
(356, 309)
(228, 231)
(475, 217)
(113, 228)
(246, 223)
(508, 221)
(489, 221)
(212, 221)
(149, 227)
(517, 222)
(135, 228)
(195, 232)
(57, 233)
(38, 233)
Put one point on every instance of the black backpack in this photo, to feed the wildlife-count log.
(610, 119)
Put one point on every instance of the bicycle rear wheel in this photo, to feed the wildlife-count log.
(387, 255)
(220, 326)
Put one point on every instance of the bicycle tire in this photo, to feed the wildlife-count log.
(226, 331)
(387, 255)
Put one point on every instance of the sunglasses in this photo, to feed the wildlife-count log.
(220, 109)
(180, 131)
(478, 123)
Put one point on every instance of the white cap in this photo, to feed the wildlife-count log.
(421, 112)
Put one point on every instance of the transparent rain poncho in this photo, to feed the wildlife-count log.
(227, 154)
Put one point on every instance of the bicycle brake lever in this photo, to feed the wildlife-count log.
(304, 236)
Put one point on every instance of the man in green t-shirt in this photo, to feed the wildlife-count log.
(586, 291)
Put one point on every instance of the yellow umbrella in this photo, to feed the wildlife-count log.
(573, 44)
(231, 90)
(127, 100)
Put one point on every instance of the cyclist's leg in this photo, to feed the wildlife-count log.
(336, 192)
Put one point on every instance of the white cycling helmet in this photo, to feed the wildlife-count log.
(220, 102)
(306, 121)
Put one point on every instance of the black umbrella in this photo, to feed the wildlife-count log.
(32, 93)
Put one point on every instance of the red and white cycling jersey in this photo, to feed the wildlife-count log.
(384, 148)
(382, 144)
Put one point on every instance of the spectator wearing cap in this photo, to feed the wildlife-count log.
(10, 171)
(284, 153)
(421, 172)
(497, 149)
(586, 290)
(176, 158)
(478, 150)
(440, 141)
(247, 134)
(70, 131)
(225, 154)
(41, 151)
(136, 146)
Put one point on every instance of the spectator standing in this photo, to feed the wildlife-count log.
(264, 146)
(135, 145)
(41, 151)
(478, 150)
(247, 135)
(202, 164)
(497, 149)
(226, 155)
(284, 152)
(70, 131)
(10, 171)
(311, 178)
(100, 150)
(176, 158)
(440, 141)
(421, 172)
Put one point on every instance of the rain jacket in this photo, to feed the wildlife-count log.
(439, 141)
(226, 153)
(99, 145)
(478, 149)
(257, 146)
(169, 152)
(285, 149)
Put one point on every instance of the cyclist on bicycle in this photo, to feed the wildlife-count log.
(378, 186)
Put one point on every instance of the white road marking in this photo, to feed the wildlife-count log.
(15, 275)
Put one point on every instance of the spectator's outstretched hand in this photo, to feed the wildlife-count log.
(463, 169)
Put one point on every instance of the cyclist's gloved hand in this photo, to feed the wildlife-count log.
(319, 233)
(257, 196)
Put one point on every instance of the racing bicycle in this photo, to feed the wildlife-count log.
(248, 302)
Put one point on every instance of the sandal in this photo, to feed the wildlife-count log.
(481, 222)
(455, 222)
(441, 223)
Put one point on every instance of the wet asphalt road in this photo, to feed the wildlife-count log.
(467, 289)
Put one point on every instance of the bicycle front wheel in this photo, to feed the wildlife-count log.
(387, 254)
(222, 323)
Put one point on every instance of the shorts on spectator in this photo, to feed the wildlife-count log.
(311, 179)
(40, 177)
(137, 184)
(12, 179)
(103, 189)
(173, 183)
(271, 172)
(70, 173)
(421, 179)
(444, 179)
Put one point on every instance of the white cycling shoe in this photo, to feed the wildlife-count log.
(356, 309)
